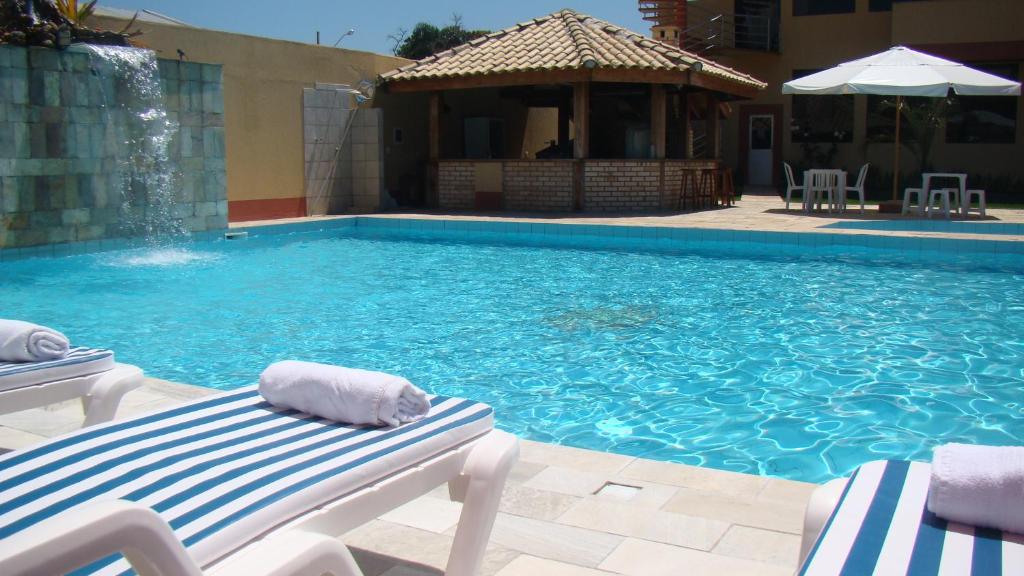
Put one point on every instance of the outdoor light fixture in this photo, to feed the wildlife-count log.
(350, 32)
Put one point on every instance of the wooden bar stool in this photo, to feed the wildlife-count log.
(707, 187)
(688, 189)
(725, 187)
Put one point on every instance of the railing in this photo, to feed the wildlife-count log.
(746, 31)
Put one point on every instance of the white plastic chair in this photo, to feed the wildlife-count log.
(858, 188)
(791, 185)
(907, 194)
(965, 207)
(942, 195)
(822, 185)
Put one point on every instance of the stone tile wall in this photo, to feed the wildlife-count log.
(343, 153)
(59, 179)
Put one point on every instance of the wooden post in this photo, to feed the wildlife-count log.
(581, 119)
(687, 106)
(433, 148)
(581, 148)
(896, 157)
(712, 124)
(658, 120)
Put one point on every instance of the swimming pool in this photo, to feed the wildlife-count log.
(800, 366)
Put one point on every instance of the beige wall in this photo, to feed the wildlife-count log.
(814, 42)
(263, 81)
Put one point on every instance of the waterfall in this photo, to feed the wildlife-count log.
(138, 134)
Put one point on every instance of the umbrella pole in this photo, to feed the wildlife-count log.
(896, 151)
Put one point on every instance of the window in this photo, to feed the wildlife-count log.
(885, 5)
(984, 119)
(815, 7)
(821, 118)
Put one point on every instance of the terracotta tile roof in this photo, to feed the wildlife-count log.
(564, 40)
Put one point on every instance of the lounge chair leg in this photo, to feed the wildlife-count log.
(485, 472)
(823, 501)
(100, 404)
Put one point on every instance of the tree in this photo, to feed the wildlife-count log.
(427, 39)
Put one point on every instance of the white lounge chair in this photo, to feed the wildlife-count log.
(232, 485)
(877, 523)
(791, 185)
(87, 373)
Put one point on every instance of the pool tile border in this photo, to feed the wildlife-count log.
(592, 235)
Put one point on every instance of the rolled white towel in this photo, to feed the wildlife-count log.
(343, 394)
(27, 342)
(979, 485)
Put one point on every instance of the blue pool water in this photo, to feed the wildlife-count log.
(794, 367)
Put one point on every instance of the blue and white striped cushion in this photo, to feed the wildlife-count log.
(882, 526)
(80, 361)
(223, 469)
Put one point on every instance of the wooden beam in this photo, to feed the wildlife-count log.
(722, 85)
(713, 137)
(549, 77)
(658, 112)
(687, 106)
(489, 81)
(581, 119)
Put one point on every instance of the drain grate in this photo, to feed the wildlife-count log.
(615, 491)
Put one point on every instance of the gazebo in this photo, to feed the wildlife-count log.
(568, 112)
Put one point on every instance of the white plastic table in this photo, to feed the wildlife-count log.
(836, 187)
(926, 189)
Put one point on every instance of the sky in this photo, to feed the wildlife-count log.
(372, 20)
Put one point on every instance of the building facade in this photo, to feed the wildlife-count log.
(778, 40)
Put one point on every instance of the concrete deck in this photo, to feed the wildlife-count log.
(763, 213)
(552, 520)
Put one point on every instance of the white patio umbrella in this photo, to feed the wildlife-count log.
(900, 71)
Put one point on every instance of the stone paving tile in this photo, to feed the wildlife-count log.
(419, 547)
(568, 544)
(12, 439)
(626, 520)
(642, 558)
(567, 481)
(707, 479)
(523, 471)
(431, 514)
(576, 458)
(760, 545)
(787, 491)
(767, 514)
(526, 565)
(533, 503)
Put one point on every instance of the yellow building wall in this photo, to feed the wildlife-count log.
(822, 41)
(263, 82)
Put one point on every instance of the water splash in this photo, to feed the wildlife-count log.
(139, 132)
(162, 257)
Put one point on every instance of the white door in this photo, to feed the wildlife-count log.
(759, 159)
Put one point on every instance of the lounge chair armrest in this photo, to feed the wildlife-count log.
(823, 501)
(82, 535)
(101, 403)
(291, 552)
